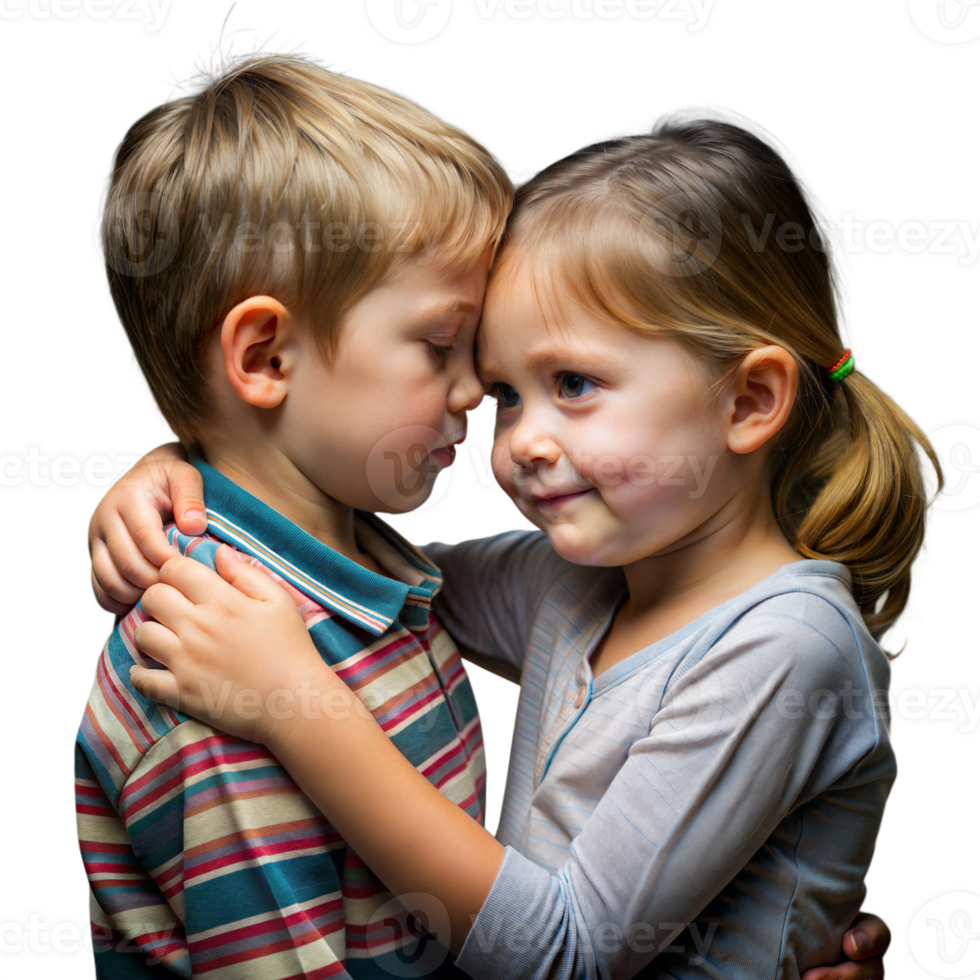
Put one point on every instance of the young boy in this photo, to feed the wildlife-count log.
(299, 261)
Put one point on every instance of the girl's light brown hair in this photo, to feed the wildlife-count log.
(280, 178)
(700, 231)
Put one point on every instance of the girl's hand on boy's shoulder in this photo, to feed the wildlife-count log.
(864, 946)
(238, 653)
(125, 537)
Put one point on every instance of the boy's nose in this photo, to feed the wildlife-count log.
(467, 390)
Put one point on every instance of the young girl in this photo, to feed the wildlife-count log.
(730, 514)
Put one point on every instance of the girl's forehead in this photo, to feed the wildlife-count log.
(525, 293)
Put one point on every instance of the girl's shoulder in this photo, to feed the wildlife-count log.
(805, 618)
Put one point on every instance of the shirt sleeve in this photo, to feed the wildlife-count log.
(195, 840)
(492, 589)
(133, 925)
(728, 754)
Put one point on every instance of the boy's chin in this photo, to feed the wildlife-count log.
(397, 502)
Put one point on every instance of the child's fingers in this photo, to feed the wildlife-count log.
(864, 942)
(868, 936)
(186, 490)
(154, 548)
(167, 605)
(157, 685)
(157, 641)
(234, 568)
(136, 545)
(195, 581)
(199, 584)
(174, 478)
(107, 602)
(112, 591)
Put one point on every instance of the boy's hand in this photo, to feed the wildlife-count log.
(239, 655)
(125, 537)
(864, 946)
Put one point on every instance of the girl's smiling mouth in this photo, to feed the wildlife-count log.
(555, 501)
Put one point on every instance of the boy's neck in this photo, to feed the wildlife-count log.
(276, 482)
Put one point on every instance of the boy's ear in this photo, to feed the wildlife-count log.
(253, 337)
(763, 392)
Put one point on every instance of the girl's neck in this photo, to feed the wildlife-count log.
(740, 545)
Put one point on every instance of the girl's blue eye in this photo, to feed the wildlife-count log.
(507, 397)
(575, 385)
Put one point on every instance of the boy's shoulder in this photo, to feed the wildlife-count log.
(121, 726)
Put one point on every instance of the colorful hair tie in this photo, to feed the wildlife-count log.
(840, 370)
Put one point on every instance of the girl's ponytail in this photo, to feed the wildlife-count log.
(867, 497)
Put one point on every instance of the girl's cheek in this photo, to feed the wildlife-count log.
(609, 461)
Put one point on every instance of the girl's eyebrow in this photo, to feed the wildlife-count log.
(547, 356)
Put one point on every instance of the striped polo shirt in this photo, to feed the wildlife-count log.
(193, 839)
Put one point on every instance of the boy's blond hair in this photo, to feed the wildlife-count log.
(285, 179)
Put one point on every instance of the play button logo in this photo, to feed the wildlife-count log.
(408, 21)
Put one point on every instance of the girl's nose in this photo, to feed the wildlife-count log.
(531, 444)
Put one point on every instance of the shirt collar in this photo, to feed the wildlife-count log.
(367, 599)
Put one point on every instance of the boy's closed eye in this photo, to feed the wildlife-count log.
(442, 352)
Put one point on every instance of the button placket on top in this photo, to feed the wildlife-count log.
(573, 707)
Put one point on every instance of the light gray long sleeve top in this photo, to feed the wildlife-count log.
(706, 807)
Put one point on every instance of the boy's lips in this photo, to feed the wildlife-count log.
(445, 455)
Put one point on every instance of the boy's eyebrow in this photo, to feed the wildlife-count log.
(448, 308)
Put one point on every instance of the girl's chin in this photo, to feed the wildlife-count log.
(571, 545)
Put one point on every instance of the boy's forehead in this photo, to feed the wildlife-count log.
(437, 288)
(431, 266)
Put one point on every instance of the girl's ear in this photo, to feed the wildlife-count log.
(253, 337)
(762, 395)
